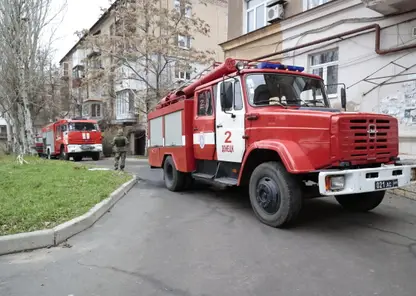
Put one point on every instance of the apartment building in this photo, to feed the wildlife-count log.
(368, 46)
(117, 99)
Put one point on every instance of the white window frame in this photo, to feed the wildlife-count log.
(123, 103)
(188, 8)
(325, 68)
(246, 11)
(308, 5)
(187, 40)
(181, 74)
(98, 108)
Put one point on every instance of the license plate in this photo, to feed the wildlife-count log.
(86, 147)
(386, 184)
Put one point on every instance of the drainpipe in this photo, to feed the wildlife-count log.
(375, 27)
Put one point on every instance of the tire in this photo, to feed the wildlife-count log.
(77, 157)
(275, 195)
(189, 182)
(174, 180)
(63, 155)
(96, 156)
(362, 202)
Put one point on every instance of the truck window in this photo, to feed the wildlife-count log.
(83, 126)
(284, 89)
(205, 103)
(238, 98)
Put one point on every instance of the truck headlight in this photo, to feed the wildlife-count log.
(335, 182)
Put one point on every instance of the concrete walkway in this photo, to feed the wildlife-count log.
(205, 242)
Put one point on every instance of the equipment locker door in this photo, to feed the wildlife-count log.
(230, 124)
(204, 126)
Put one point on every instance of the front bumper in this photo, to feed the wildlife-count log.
(84, 148)
(367, 180)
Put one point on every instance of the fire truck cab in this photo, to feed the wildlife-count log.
(76, 138)
(270, 128)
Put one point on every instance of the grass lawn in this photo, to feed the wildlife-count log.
(45, 193)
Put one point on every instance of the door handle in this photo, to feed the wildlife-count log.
(219, 125)
(195, 128)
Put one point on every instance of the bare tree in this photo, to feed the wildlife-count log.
(24, 64)
(146, 44)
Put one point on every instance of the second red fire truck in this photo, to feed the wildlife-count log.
(270, 128)
(76, 138)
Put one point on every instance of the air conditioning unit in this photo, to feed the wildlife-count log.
(275, 11)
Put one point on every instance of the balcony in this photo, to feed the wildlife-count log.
(128, 118)
(387, 7)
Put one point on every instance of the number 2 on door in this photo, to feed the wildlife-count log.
(228, 136)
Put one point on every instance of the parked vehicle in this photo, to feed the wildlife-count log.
(76, 138)
(270, 128)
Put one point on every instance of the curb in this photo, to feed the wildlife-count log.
(52, 237)
(404, 193)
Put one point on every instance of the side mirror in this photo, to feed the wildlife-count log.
(343, 99)
(226, 96)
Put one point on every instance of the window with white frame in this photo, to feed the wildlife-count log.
(309, 4)
(183, 8)
(325, 64)
(184, 41)
(255, 14)
(182, 72)
(124, 102)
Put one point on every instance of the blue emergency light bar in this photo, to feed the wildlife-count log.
(267, 65)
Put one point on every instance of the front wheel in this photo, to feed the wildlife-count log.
(275, 195)
(96, 156)
(174, 179)
(361, 202)
(77, 157)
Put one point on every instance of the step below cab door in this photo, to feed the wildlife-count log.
(204, 125)
(230, 130)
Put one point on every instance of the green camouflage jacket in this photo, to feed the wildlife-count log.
(120, 143)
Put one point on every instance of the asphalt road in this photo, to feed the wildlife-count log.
(208, 242)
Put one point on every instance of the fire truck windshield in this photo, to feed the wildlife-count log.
(83, 126)
(285, 90)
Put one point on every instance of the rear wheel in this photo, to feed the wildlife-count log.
(77, 157)
(96, 156)
(362, 202)
(275, 195)
(174, 179)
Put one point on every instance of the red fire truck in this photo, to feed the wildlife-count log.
(76, 138)
(270, 128)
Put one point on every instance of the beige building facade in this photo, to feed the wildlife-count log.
(367, 46)
(117, 101)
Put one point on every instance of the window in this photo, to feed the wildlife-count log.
(95, 110)
(255, 14)
(205, 103)
(285, 90)
(184, 41)
(309, 4)
(182, 72)
(183, 8)
(83, 126)
(125, 102)
(325, 64)
(232, 91)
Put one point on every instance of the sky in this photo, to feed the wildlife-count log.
(76, 15)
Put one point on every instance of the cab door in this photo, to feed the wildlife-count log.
(230, 123)
(204, 125)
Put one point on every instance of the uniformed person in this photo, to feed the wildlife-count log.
(120, 144)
